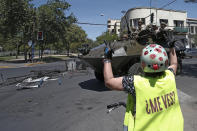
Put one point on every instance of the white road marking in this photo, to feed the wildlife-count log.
(183, 97)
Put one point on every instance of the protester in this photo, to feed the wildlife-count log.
(152, 103)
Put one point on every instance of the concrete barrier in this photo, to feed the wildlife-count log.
(75, 64)
(70, 65)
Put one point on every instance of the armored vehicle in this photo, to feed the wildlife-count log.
(126, 57)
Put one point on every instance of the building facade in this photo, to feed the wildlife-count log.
(172, 18)
(175, 20)
(113, 26)
(192, 25)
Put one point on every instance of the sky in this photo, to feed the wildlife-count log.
(90, 11)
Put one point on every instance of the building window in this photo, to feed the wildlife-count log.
(143, 21)
(135, 22)
(113, 31)
(130, 22)
(192, 29)
(108, 26)
(108, 21)
(196, 30)
(178, 23)
(163, 20)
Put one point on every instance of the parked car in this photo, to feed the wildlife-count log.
(190, 52)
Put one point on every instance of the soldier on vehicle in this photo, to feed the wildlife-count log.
(152, 102)
(137, 30)
(141, 26)
(162, 34)
(163, 25)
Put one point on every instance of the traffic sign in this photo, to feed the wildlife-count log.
(30, 43)
(40, 35)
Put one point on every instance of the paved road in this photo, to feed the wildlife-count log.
(79, 103)
(187, 83)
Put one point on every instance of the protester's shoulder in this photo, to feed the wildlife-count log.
(171, 70)
(128, 84)
(128, 80)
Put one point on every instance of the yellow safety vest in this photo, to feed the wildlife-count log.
(157, 105)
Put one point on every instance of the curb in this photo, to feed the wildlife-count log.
(6, 67)
(32, 64)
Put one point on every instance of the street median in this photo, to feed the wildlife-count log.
(6, 67)
(32, 64)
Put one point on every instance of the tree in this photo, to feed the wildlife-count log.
(75, 37)
(91, 43)
(14, 15)
(106, 36)
(16, 22)
(53, 22)
(20, 22)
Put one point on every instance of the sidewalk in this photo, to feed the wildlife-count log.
(16, 63)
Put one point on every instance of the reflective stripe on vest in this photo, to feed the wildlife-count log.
(157, 105)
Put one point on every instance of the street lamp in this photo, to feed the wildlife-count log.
(123, 11)
(101, 14)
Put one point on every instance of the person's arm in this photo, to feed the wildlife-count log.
(173, 60)
(110, 81)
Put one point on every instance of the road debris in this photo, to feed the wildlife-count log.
(36, 77)
(33, 83)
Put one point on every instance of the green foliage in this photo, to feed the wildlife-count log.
(52, 20)
(75, 37)
(20, 22)
(14, 15)
(106, 36)
(55, 24)
(15, 23)
(5, 58)
(91, 43)
(58, 46)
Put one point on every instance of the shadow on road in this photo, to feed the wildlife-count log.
(93, 85)
(12, 61)
(189, 70)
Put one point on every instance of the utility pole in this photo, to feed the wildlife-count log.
(33, 35)
(150, 5)
(189, 36)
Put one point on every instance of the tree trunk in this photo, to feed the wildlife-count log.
(17, 51)
(68, 49)
(42, 49)
(39, 50)
(25, 54)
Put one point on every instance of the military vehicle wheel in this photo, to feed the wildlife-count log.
(135, 69)
(99, 76)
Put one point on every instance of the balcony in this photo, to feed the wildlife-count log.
(180, 29)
